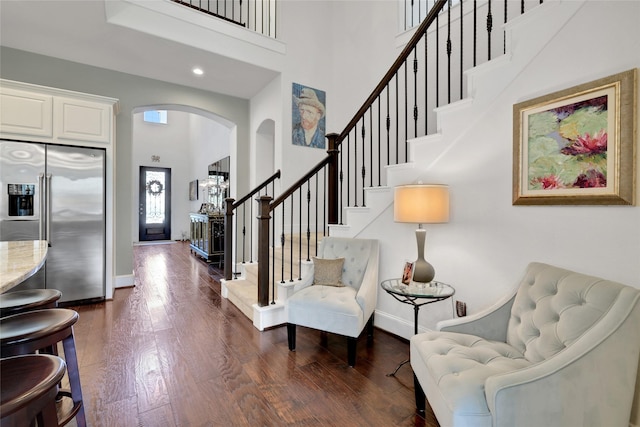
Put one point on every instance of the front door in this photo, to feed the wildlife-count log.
(155, 204)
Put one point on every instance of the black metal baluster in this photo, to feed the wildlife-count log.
(300, 235)
(388, 124)
(251, 233)
(397, 120)
(349, 169)
(291, 243)
(449, 53)
(316, 216)
(504, 33)
(461, 47)
(412, 20)
(415, 92)
(370, 147)
(269, 16)
(273, 248)
(237, 238)
(364, 171)
(324, 202)
(437, 60)
(340, 177)
(282, 245)
(406, 113)
(379, 145)
(355, 165)
(489, 28)
(475, 31)
(521, 7)
(426, 85)
(244, 231)
(308, 218)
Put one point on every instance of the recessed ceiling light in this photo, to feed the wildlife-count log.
(198, 71)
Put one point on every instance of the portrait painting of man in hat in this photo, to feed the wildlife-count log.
(308, 117)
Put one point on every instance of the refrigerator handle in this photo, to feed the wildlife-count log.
(41, 217)
(48, 208)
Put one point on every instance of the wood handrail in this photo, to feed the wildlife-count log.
(299, 183)
(266, 182)
(411, 44)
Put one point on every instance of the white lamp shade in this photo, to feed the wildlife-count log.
(421, 203)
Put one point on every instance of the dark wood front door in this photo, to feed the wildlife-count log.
(155, 204)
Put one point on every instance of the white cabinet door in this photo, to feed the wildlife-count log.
(25, 113)
(82, 120)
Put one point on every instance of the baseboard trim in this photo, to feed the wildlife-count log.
(396, 325)
(125, 281)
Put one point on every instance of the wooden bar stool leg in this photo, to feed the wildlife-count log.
(48, 416)
(69, 346)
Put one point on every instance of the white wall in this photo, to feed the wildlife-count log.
(488, 242)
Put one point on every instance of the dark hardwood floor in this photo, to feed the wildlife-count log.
(172, 352)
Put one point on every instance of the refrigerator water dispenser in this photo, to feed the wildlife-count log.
(21, 199)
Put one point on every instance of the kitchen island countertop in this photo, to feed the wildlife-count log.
(19, 260)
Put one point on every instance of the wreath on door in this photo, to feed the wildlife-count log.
(154, 187)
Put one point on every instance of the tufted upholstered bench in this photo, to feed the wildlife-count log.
(562, 351)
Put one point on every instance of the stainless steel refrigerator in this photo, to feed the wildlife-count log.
(57, 193)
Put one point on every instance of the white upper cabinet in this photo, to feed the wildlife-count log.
(81, 120)
(26, 113)
(42, 114)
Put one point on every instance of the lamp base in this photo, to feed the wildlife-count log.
(423, 272)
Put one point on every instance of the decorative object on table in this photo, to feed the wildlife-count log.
(407, 272)
(308, 117)
(461, 308)
(576, 146)
(193, 190)
(421, 204)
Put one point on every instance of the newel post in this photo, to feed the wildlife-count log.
(263, 250)
(228, 239)
(332, 185)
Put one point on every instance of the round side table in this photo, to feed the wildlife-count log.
(416, 294)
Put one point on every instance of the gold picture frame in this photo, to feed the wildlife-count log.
(577, 146)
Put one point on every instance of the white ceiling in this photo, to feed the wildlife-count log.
(78, 31)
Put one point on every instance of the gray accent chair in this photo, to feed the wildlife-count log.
(561, 351)
(342, 310)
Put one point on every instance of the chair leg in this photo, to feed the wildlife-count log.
(291, 336)
(420, 396)
(351, 350)
(370, 331)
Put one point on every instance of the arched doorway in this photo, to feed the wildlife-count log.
(189, 141)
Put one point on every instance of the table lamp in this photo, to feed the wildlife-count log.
(421, 204)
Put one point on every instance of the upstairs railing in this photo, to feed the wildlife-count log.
(257, 15)
(428, 73)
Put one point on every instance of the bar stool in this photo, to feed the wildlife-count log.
(27, 300)
(29, 389)
(31, 331)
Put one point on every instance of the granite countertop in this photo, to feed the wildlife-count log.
(20, 260)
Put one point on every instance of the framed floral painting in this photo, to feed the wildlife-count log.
(577, 146)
